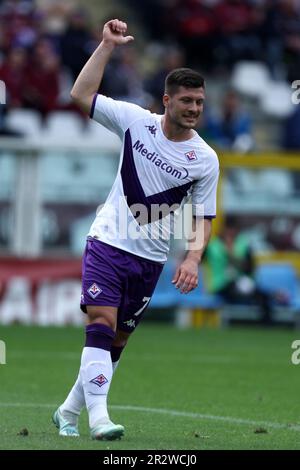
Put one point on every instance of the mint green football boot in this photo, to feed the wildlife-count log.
(107, 431)
(65, 428)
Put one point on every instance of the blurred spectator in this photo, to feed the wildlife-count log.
(55, 17)
(17, 21)
(77, 43)
(12, 72)
(41, 84)
(6, 131)
(153, 14)
(231, 129)
(194, 24)
(122, 79)
(230, 261)
(291, 140)
(291, 131)
(289, 11)
(237, 23)
(271, 38)
(171, 58)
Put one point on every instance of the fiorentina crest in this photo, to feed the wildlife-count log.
(191, 155)
(99, 380)
(94, 290)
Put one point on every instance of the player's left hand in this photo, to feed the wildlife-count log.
(186, 276)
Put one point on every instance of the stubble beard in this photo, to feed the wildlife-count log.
(182, 125)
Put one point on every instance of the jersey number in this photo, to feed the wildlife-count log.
(146, 300)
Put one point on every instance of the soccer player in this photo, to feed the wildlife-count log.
(163, 162)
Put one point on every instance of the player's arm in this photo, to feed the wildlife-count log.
(186, 276)
(90, 77)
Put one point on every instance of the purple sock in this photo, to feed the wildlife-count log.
(99, 336)
(115, 353)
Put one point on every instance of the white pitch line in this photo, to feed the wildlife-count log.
(183, 414)
(68, 356)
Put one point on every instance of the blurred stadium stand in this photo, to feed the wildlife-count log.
(247, 75)
(56, 166)
(281, 281)
(282, 278)
(25, 121)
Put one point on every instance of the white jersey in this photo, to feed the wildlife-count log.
(154, 173)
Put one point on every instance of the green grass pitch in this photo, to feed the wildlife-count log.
(191, 389)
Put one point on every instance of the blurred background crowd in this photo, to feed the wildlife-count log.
(44, 44)
(57, 166)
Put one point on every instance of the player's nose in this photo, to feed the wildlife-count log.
(193, 108)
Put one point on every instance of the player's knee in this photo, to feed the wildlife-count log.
(101, 320)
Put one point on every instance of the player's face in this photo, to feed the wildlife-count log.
(184, 108)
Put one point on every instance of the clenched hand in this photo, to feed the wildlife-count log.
(113, 33)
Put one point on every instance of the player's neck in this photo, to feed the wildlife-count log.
(174, 132)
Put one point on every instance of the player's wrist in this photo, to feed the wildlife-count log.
(108, 45)
(194, 256)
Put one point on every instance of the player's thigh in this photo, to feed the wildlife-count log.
(104, 315)
(102, 284)
(139, 291)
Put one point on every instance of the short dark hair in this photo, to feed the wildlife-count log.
(185, 77)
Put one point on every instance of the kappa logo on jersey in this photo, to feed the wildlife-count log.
(152, 130)
(99, 380)
(191, 155)
(130, 323)
(94, 290)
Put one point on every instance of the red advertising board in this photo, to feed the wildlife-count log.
(40, 291)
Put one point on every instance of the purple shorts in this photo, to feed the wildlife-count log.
(115, 278)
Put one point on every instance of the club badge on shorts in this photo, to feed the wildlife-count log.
(94, 290)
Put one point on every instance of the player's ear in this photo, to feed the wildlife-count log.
(166, 100)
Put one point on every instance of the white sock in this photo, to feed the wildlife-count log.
(96, 374)
(74, 402)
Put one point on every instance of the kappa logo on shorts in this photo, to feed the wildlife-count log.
(94, 290)
(191, 155)
(130, 323)
(99, 380)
